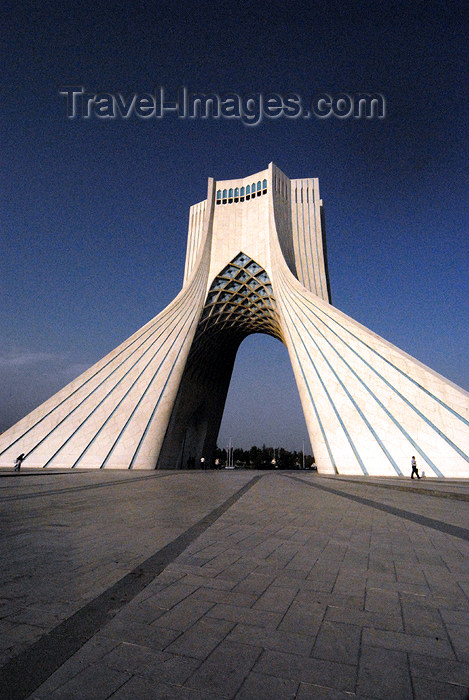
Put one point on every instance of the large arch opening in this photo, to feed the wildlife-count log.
(263, 405)
(240, 302)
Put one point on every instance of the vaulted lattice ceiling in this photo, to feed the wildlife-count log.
(240, 298)
(239, 302)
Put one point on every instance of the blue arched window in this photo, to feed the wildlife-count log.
(242, 191)
(236, 192)
(230, 193)
(219, 194)
(224, 195)
(259, 186)
(248, 189)
(253, 189)
(264, 186)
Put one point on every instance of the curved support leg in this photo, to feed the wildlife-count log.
(369, 406)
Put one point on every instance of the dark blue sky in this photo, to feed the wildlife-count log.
(94, 212)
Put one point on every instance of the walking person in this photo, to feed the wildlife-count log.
(19, 459)
(414, 469)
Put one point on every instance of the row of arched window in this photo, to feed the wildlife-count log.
(239, 194)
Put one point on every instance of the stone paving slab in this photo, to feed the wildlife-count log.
(290, 592)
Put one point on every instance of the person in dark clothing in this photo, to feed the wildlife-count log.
(19, 459)
(414, 469)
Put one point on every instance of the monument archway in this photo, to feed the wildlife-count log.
(263, 406)
(256, 262)
(240, 301)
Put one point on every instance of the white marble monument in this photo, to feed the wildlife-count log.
(255, 263)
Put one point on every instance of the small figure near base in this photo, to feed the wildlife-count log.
(414, 469)
(19, 459)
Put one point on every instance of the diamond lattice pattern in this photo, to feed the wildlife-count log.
(240, 299)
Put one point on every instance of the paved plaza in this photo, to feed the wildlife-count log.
(232, 584)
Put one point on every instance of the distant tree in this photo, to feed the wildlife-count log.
(263, 458)
(221, 456)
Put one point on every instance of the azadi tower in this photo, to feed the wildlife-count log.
(255, 263)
